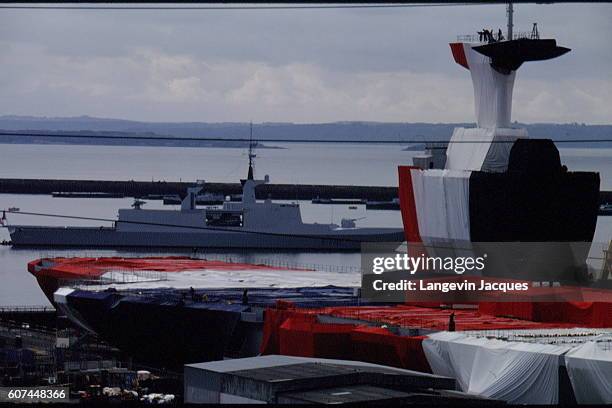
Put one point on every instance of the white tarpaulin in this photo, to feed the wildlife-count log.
(453, 354)
(589, 367)
(519, 373)
(457, 192)
(492, 90)
(214, 278)
(442, 204)
(430, 203)
(490, 152)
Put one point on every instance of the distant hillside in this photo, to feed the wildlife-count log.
(113, 138)
(362, 131)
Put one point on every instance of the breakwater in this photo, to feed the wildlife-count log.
(144, 188)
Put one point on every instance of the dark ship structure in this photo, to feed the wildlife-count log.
(496, 185)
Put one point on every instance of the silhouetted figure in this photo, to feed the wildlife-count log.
(245, 297)
(480, 35)
(451, 322)
(535, 34)
(500, 36)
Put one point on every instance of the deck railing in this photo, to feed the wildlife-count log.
(476, 38)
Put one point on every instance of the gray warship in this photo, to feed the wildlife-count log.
(246, 224)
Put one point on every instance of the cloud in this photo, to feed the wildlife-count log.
(309, 66)
(226, 90)
(570, 100)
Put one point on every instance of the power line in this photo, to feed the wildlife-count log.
(247, 140)
(224, 7)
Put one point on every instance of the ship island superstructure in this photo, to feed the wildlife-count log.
(494, 184)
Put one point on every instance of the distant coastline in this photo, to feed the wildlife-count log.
(411, 135)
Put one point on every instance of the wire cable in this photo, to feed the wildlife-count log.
(238, 7)
(246, 140)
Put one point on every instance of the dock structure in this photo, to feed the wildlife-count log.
(40, 316)
(141, 189)
(276, 379)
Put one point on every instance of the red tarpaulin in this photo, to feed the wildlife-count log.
(378, 345)
(78, 268)
(435, 318)
(407, 204)
(304, 336)
(587, 314)
(273, 319)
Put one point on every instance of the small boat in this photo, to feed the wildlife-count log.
(605, 209)
(383, 205)
(337, 201)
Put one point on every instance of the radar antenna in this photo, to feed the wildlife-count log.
(510, 11)
(252, 154)
(138, 203)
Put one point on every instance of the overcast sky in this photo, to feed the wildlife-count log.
(292, 65)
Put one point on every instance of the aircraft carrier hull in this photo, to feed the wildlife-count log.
(187, 330)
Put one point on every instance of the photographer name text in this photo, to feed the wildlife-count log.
(445, 287)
